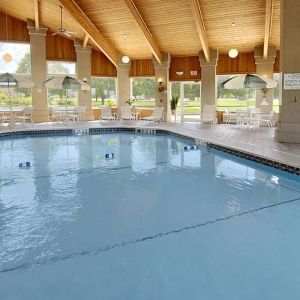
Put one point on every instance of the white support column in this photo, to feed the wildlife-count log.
(162, 95)
(264, 100)
(208, 78)
(83, 67)
(123, 83)
(288, 129)
(38, 71)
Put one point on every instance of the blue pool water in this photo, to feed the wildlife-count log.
(155, 222)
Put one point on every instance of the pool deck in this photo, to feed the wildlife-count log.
(259, 142)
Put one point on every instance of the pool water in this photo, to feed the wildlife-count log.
(154, 222)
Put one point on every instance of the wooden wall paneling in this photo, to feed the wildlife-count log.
(186, 65)
(17, 29)
(243, 63)
(102, 66)
(142, 68)
(59, 48)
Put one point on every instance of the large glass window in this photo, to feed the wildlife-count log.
(234, 99)
(189, 105)
(276, 76)
(20, 63)
(143, 91)
(61, 68)
(57, 97)
(103, 91)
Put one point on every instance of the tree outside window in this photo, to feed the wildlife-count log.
(57, 97)
(21, 64)
(103, 91)
(143, 91)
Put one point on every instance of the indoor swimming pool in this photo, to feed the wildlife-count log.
(139, 216)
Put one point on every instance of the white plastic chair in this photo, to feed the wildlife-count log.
(57, 115)
(25, 116)
(229, 116)
(4, 117)
(268, 118)
(209, 114)
(126, 113)
(157, 115)
(107, 114)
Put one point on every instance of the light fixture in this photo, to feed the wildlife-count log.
(233, 52)
(160, 85)
(7, 57)
(179, 73)
(125, 59)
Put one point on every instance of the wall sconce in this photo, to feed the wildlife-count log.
(160, 85)
(179, 73)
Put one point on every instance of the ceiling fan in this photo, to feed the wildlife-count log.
(62, 30)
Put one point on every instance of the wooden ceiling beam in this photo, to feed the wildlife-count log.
(268, 26)
(85, 40)
(36, 14)
(89, 28)
(196, 9)
(142, 26)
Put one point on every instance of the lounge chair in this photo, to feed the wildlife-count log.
(157, 115)
(209, 114)
(126, 113)
(107, 114)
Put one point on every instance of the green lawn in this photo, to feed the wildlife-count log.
(190, 106)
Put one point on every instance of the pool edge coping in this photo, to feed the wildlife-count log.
(271, 162)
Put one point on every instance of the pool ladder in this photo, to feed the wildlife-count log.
(81, 131)
(145, 130)
(201, 142)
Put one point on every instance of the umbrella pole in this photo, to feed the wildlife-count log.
(11, 121)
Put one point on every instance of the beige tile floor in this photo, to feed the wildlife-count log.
(259, 141)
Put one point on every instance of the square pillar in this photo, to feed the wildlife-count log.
(162, 90)
(123, 83)
(288, 129)
(38, 71)
(208, 78)
(83, 67)
(265, 66)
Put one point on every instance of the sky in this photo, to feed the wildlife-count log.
(17, 50)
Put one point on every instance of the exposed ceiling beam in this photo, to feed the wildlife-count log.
(36, 14)
(85, 40)
(200, 28)
(142, 26)
(268, 26)
(88, 26)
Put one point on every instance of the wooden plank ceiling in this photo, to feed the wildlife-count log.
(170, 22)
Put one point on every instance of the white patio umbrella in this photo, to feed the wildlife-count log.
(8, 80)
(249, 81)
(66, 83)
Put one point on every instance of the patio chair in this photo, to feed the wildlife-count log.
(268, 118)
(107, 114)
(157, 115)
(242, 117)
(229, 116)
(126, 113)
(57, 115)
(209, 114)
(26, 115)
(4, 117)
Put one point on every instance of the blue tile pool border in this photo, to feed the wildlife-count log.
(91, 131)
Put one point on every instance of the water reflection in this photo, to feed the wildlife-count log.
(74, 198)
